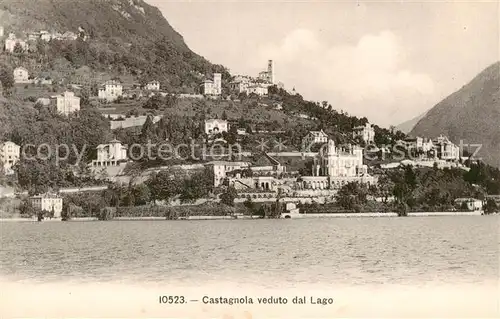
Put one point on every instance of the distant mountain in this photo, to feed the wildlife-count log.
(126, 37)
(472, 114)
(407, 126)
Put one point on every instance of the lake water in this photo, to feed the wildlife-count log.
(425, 266)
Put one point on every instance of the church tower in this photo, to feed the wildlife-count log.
(270, 71)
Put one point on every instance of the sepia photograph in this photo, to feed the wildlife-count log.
(249, 159)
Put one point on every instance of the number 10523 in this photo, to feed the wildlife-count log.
(171, 299)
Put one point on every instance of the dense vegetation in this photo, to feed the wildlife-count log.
(122, 40)
(427, 189)
(337, 124)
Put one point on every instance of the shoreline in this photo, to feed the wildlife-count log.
(292, 216)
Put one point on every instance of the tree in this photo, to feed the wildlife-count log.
(277, 207)
(352, 196)
(6, 78)
(250, 205)
(163, 185)
(464, 207)
(2, 173)
(224, 115)
(153, 102)
(197, 186)
(228, 197)
(18, 48)
(26, 209)
(141, 194)
(148, 130)
(490, 207)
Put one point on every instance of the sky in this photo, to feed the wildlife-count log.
(387, 60)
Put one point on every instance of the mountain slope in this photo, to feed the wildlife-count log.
(102, 18)
(407, 126)
(472, 114)
(125, 37)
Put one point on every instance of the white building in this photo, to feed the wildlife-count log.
(314, 137)
(10, 153)
(221, 168)
(338, 162)
(217, 84)
(335, 167)
(43, 101)
(42, 80)
(48, 202)
(21, 75)
(445, 149)
(240, 85)
(1, 31)
(268, 75)
(33, 36)
(66, 103)
(214, 126)
(69, 36)
(473, 204)
(367, 133)
(213, 87)
(40, 35)
(111, 154)
(421, 144)
(153, 86)
(11, 41)
(427, 145)
(259, 89)
(110, 91)
(45, 36)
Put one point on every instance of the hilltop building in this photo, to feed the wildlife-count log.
(421, 145)
(259, 89)
(268, 75)
(215, 126)
(43, 101)
(240, 84)
(21, 75)
(249, 85)
(111, 154)
(366, 133)
(213, 87)
(51, 203)
(42, 80)
(69, 36)
(153, 86)
(314, 137)
(10, 153)
(82, 34)
(40, 35)
(110, 91)
(66, 103)
(12, 41)
(445, 149)
(48, 36)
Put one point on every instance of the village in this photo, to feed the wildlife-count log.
(261, 177)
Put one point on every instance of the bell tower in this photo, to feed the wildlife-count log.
(270, 71)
